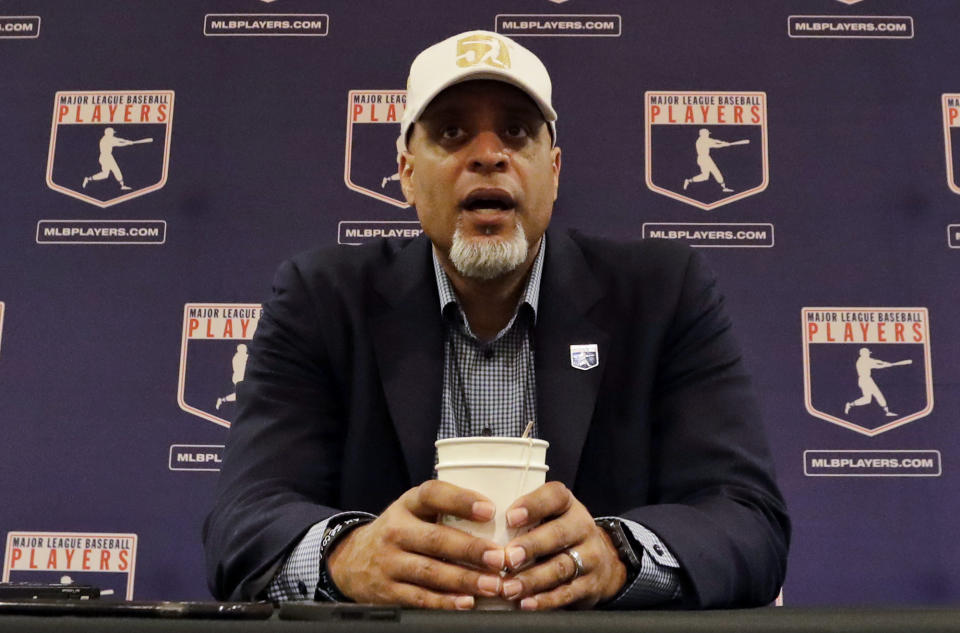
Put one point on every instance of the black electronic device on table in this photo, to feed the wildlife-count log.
(21, 598)
(140, 609)
(41, 591)
(338, 611)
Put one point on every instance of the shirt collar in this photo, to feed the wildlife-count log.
(531, 293)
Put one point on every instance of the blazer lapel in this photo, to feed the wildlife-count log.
(566, 395)
(408, 345)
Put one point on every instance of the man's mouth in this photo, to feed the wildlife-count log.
(488, 200)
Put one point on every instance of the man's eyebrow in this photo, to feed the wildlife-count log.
(524, 109)
(456, 109)
(443, 111)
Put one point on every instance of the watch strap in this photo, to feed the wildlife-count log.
(629, 551)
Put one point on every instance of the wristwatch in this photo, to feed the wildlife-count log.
(628, 550)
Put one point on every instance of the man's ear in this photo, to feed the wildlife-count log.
(555, 154)
(405, 169)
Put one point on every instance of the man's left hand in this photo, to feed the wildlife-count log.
(552, 581)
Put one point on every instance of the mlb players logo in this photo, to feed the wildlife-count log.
(867, 369)
(951, 136)
(373, 125)
(213, 357)
(107, 147)
(584, 356)
(104, 560)
(706, 149)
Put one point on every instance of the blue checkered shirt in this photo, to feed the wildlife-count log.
(489, 388)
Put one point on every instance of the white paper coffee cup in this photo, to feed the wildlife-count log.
(500, 468)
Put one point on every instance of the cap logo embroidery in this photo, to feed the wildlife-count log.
(474, 50)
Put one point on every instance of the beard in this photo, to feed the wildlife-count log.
(484, 258)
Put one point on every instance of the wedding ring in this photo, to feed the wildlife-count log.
(575, 555)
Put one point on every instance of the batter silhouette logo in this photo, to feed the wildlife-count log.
(213, 357)
(104, 560)
(482, 50)
(951, 138)
(373, 125)
(867, 369)
(584, 356)
(107, 147)
(706, 149)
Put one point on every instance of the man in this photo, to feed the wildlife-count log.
(661, 491)
(108, 164)
(239, 364)
(869, 390)
(704, 161)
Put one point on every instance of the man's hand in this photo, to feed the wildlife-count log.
(405, 557)
(566, 524)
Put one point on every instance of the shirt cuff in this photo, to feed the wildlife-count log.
(300, 573)
(659, 579)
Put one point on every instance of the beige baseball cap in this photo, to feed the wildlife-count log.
(475, 55)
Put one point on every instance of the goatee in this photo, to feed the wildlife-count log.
(483, 258)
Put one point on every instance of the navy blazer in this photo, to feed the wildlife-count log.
(340, 405)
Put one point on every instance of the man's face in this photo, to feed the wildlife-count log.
(480, 160)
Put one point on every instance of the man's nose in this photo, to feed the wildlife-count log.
(488, 152)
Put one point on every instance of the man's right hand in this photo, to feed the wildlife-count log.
(405, 557)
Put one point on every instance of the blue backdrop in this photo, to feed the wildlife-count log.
(123, 311)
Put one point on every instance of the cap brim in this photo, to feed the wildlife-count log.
(470, 74)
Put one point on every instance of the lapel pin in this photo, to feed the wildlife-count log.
(584, 356)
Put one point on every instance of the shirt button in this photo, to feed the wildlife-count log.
(302, 588)
(486, 432)
(658, 549)
(488, 353)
